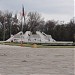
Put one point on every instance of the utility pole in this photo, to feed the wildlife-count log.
(4, 28)
(10, 25)
(4, 31)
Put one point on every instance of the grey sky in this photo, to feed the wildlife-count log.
(50, 9)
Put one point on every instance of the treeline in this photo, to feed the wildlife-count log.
(10, 24)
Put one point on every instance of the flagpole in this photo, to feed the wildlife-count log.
(21, 30)
(22, 18)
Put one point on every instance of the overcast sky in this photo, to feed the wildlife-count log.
(62, 10)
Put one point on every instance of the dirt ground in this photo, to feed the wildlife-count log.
(16, 60)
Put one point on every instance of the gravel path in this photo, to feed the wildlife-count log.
(16, 60)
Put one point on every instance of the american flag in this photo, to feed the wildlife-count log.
(23, 14)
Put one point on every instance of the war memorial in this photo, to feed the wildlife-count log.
(29, 37)
(25, 53)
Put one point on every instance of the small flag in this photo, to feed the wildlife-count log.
(23, 11)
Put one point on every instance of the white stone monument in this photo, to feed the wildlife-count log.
(29, 37)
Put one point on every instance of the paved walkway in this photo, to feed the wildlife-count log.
(16, 60)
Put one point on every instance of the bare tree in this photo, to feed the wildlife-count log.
(34, 21)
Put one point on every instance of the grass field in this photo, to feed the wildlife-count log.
(34, 45)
